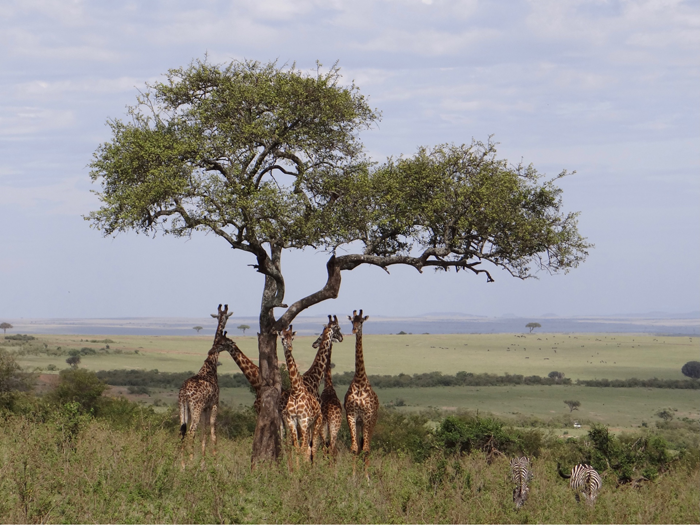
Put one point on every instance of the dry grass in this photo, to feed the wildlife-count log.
(108, 476)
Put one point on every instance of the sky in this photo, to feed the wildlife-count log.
(608, 89)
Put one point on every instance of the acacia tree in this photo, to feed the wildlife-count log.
(532, 326)
(269, 159)
(197, 328)
(5, 327)
(243, 327)
(572, 404)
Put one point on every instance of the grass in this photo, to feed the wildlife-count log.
(107, 476)
(579, 356)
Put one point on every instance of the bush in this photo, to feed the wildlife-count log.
(12, 377)
(691, 369)
(404, 433)
(80, 386)
(486, 434)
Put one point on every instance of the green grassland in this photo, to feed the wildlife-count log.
(579, 356)
(617, 407)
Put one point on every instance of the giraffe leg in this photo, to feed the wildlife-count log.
(350, 416)
(196, 413)
(317, 437)
(212, 425)
(367, 431)
(206, 414)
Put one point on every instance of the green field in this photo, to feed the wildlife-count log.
(579, 356)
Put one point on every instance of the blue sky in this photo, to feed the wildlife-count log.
(606, 88)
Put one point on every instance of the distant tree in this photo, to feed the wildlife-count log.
(532, 326)
(691, 369)
(73, 361)
(12, 377)
(5, 326)
(198, 328)
(557, 376)
(78, 385)
(573, 405)
(243, 327)
(666, 415)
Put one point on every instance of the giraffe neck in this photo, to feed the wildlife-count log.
(360, 374)
(208, 370)
(250, 370)
(314, 374)
(328, 380)
(294, 376)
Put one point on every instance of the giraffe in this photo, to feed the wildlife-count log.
(250, 370)
(331, 334)
(361, 402)
(312, 377)
(331, 412)
(302, 414)
(198, 397)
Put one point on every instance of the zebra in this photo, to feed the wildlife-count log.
(521, 475)
(583, 480)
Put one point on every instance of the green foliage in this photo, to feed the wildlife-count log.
(197, 328)
(139, 390)
(80, 386)
(5, 327)
(12, 377)
(572, 404)
(20, 337)
(465, 434)
(243, 327)
(73, 361)
(404, 433)
(691, 369)
(532, 326)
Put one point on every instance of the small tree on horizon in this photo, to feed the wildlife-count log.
(198, 328)
(557, 376)
(5, 327)
(243, 327)
(73, 361)
(532, 326)
(573, 405)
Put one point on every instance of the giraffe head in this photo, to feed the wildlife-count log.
(287, 336)
(335, 333)
(357, 321)
(223, 344)
(221, 316)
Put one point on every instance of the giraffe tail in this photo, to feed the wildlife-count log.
(184, 417)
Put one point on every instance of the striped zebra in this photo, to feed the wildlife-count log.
(583, 480)
(521, 475)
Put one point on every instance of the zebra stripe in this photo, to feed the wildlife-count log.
(585, 481)
(521, 475)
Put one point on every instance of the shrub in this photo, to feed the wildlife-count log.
(12, 377)
(691, 369)
(404, 433)
(80, 386)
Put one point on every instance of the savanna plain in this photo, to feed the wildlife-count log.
(439, 453)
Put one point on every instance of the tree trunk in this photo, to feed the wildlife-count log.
(267, 442)
(267, 439)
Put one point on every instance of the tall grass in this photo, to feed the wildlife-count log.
(73, 468)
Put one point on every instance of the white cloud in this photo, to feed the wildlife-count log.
(25, 120)
(69, 196)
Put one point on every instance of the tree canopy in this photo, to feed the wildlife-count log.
(5, 327)
(532, 326)
(691, 369)
(269, 158)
